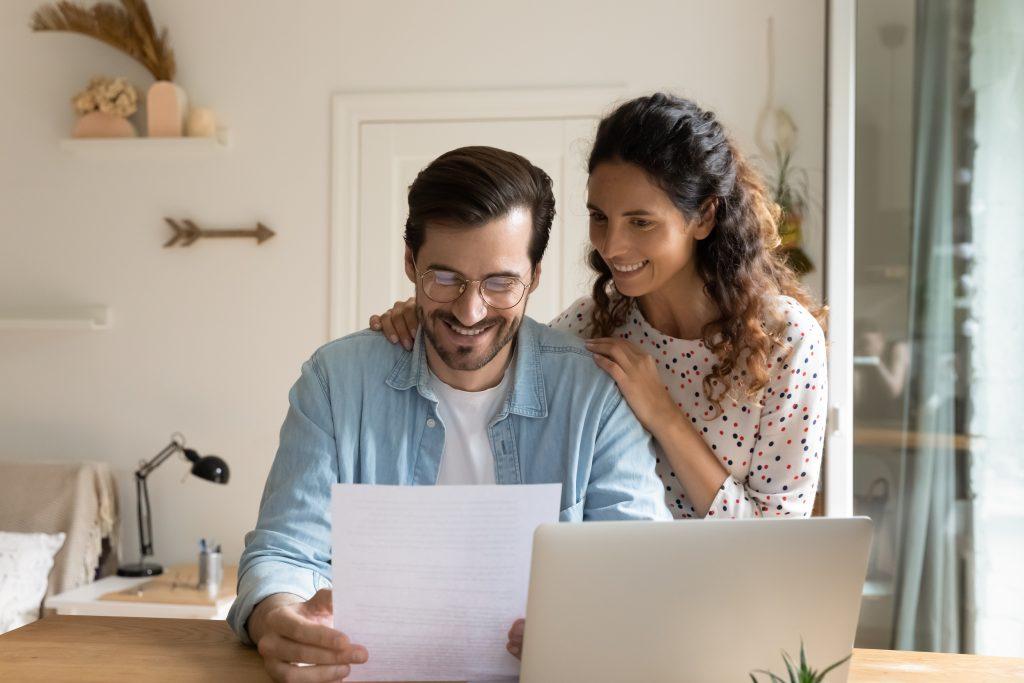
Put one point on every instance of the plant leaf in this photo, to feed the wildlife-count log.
(769, 674)
(842, 661)
(793, 677)
(128, 28)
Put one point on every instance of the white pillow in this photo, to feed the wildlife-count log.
(25, 563)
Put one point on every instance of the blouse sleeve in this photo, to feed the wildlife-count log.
(783, 477)
(574, 319)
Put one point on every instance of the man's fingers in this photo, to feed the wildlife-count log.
(517, 630)
(294, 627)
(273, 646)
(515, 638)
(321, 673)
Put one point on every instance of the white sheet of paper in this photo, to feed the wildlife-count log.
(430, 578)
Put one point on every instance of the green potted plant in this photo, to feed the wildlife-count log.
(802, 674)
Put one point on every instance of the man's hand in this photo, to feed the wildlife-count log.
(289, 632)
(515, 638)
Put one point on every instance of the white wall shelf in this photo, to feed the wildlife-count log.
(81, 318)
(147, 148)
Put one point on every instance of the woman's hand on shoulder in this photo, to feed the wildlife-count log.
(398, 323)
(636, 374)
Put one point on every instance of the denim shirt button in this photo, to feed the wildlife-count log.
(431, 422)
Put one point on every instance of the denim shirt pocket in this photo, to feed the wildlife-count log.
(573, 513)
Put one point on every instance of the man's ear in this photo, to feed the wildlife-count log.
(536, 278)
(410, 266)
(706, 223)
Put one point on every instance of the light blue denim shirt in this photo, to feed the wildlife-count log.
(362, 411)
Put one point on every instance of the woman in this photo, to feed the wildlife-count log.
(711, 339)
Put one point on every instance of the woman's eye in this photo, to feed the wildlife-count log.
(642, 224)
(594, 216)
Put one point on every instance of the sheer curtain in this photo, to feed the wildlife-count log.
(996, 366)
(927, 602)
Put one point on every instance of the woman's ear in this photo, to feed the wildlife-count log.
(706, 224)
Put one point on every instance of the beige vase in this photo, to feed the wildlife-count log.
(166, 107)
(98, 124)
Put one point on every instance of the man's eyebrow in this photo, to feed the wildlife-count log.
(500, 273)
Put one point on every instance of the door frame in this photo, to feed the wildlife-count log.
(351, 110)
(840, 103)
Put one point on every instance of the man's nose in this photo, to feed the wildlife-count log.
(470, 308)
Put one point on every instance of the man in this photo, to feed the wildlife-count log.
(486, 395)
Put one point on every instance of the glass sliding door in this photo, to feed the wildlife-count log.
(938, 322)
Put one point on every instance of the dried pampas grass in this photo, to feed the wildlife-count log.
(127, 27)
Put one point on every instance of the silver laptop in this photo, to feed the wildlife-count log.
(692, 600)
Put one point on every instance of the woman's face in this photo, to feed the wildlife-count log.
(642, 236)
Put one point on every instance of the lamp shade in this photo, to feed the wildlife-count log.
(209, 467)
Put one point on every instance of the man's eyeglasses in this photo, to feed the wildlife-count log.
(497, 291)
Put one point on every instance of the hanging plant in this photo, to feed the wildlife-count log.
(127, 27)
(789, 190)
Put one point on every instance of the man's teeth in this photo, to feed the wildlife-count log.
(630, 268)
(466, 331)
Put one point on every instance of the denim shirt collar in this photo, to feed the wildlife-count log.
(527, 397)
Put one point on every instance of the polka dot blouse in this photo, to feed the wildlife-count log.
(770, 447)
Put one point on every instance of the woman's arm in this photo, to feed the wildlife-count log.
(783, 477)
(636, 374)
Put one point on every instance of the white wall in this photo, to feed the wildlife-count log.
(207, 340)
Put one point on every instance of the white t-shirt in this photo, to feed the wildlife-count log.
(467, 457)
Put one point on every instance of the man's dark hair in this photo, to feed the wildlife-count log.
(470, 186)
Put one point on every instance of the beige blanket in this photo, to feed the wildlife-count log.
(78, 498)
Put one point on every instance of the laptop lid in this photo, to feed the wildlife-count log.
(692, 600)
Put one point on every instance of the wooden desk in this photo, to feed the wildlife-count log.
(104, 649)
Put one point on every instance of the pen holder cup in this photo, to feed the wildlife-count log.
(211, 572)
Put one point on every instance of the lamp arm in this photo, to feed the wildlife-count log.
(145, 526)
(142, 494)
(158, 459)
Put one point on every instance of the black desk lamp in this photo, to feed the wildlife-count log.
(208, 467)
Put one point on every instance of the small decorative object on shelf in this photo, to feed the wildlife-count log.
(202, 123)
(166, 109)
(803, 674)
(104, 108)
(129, 28)
(186, 232)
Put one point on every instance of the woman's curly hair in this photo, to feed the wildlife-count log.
(686, 151)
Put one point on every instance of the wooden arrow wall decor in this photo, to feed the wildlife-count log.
(186, 232)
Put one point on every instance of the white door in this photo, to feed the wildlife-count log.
(390, 156)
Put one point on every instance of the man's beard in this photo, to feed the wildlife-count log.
(460, 357)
